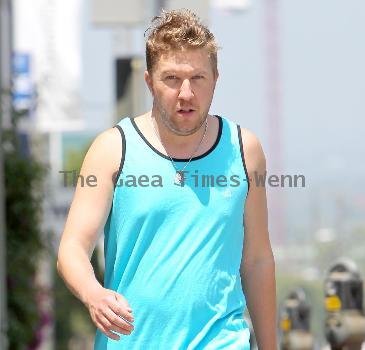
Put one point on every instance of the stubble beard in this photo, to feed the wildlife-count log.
(171, 126)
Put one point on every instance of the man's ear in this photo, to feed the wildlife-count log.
(216, 75)
(148, 80)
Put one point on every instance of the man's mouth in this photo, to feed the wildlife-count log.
(185, 110)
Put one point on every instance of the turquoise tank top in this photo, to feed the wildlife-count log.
(174, 252)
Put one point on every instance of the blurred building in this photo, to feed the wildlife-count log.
(79, 65)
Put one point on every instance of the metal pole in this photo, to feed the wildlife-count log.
(274, 115)
(5, 117)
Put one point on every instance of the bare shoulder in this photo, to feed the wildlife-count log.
(106, 139)
(105, 153)
(253, 151)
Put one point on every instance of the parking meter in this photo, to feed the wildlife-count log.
(295, 322)
(345, 321)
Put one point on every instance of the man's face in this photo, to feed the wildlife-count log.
(182, 85)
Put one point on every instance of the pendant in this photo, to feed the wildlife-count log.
(179, 178)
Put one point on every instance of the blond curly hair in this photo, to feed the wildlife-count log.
(178, 30)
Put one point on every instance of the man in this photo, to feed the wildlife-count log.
(185, 233)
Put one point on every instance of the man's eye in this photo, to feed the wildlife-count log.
(197, 77)
(171, 77)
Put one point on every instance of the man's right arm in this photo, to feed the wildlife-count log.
(88, 213)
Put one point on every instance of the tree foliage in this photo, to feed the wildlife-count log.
(23, 176)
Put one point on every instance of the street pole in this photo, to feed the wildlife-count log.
(5, 117)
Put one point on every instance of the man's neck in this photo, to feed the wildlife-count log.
(172, 141)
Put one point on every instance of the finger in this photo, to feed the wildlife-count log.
(120, 310)
(122, 300)
(107, 332)
(112, 327)
(117, 321)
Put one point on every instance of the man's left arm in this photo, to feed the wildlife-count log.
(258, 266)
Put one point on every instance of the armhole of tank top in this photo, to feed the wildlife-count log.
(243, 156)
(123, 153)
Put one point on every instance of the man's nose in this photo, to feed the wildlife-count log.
(186, 92)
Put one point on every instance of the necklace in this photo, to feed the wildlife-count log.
(179, 174)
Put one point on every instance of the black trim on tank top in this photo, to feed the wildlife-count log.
(123, 153)
(220, 127)
(243, 156)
